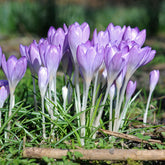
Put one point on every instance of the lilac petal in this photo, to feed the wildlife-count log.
(110, 51)
(74, 39)
(11, 63)
(51, 33)
(22, 50)
(115, 33)
(98, 59)
(35, 57)
(134, 59)
(18, 71)
(58, 37)
(86, 31)
(140, 39)
(115, 66)
(131, 86)
(53, 59)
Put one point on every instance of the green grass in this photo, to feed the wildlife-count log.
(27, 124)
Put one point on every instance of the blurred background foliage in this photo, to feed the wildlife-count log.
(36, 16)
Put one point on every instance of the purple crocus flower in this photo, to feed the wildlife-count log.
(34, 57)
(134, 34)
(77, 34)
(51, 57)
(102, 38)
(4, 91)
(154, 77)
(114, 62)
(56, 37)
(115, 33)
(14, 70)
(43, 79)
(131, 86)
(89, 60)
(138, 57)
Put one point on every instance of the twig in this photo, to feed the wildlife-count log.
(96, 154)
(130, 137)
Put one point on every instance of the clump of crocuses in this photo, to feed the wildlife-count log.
(105, 63)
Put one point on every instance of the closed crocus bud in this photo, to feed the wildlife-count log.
(43, 79)
(131, 86)
(14, 70)
(34, 57)
(154, 77)
(114, 62)
(4, 91)
(89, 60)
(64, 96)
(77, 34)
(64, 92)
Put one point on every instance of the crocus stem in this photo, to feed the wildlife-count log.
(34, 91)
(110, 113)
(116, 110)
(96, 123)
(55, 95)
(94, 95)
(0, 116)
(43, 118)
(82, 116)
(10, 108)
(146, 111)
(122, 116)
(122, 93)
(77, 87)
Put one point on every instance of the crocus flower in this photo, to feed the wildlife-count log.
(4, 91)
(56, 37)
(89, 60)
(102, 38)
(134, 34)
(154, 77)
(43, 79)
(34, 57)
(14, 70)
(131, 86)
(114, 62)
(77, 34)
(115, 33)
(51, 57)
(138, 57)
